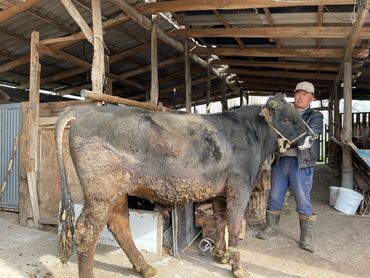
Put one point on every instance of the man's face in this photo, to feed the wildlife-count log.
(302, 100)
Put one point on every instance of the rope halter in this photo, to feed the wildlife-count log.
(284, 143)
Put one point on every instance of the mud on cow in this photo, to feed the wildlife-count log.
(168, 159)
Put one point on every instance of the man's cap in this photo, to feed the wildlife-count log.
(305, 86)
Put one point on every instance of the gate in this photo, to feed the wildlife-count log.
(10, 120)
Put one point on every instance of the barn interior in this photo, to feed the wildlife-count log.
(166, 56)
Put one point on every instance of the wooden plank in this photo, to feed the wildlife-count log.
(281, 52)
(108, 86)
(187, 78)
(276, 64)
(79, 20)
(272, 32)
(268, 73)
(17, 9)
(204, 5)
(154, 89)
(97, 71)
(208, 93)
(24, 166)
(32, 190)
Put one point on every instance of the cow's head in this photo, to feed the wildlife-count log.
(287, 123)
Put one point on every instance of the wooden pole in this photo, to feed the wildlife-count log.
(223, 90)
(124, 101)
(347, 171)
(154, 94)
(108, 84)
(336, 127)
(208, 94)
(187, 79)
(330, 129)
(97, 71)
(241, 96)
(34, 100)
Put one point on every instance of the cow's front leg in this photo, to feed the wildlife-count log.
(237, 197)
(219, 214)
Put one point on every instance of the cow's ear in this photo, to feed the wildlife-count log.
(266, 112)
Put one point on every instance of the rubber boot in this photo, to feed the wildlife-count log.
(306, 223)
(272, 221)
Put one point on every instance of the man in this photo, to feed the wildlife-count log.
(295, 170)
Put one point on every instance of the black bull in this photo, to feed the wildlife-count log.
(168, 159)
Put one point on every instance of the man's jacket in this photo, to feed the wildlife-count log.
(308, 157)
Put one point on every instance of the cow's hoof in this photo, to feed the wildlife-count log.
(242, 272)
(222, 258)
(147, 271)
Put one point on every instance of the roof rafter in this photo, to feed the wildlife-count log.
(17, 9)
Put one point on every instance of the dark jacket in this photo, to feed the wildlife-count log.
(308, 157)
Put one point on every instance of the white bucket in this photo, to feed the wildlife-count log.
(333, 192)
(347, 200)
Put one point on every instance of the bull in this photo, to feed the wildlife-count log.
(168, 159)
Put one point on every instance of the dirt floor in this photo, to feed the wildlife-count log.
(342, 249)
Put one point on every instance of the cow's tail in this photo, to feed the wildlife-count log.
(66, 211)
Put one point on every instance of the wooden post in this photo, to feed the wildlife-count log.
(208, 94)
(330, 129)
(187, 78)
(336, 127)
(34, 100)
(347, 171)
(97, 71)
(223, 91)
(108, 84)
(154, 94)
(241, 96)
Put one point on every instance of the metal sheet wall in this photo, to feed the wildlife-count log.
(10, 121)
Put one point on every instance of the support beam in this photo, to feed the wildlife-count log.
(17, 9)
(208, 93)
(205, 5)
(276, 64)
(34, 101)
(108, 86)
(72, 10)
(146, 24)
(187, 78)
(118, 100)
(271, 32)
(346, 136)
(312, 76)
(154, 88)
(97, 71)
(223, 93)
(108, 24)
(281, 52)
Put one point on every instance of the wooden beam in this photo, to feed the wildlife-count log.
(79, 20)
(34, 101)
(146, 24)
(272, 32)
(223, 93)
(147, 68)
(108, 85)
(346, 135)
(154, 88)
(128, 102)
(280, 81)
(97, 70)
(353, 37)
(276, 64)
(208, 93)
(17, 9)
(111, 23)
(227, 25)
(73, 90)
(187, 78)
(271, 23)
(299, 75)
(204, 5)
(282, 52)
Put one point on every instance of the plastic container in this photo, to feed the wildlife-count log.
(333, 192)
(347, 200)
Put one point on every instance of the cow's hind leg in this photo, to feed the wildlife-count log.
(88, 228)
(237, 197)
(118, 225)
(219, 214)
